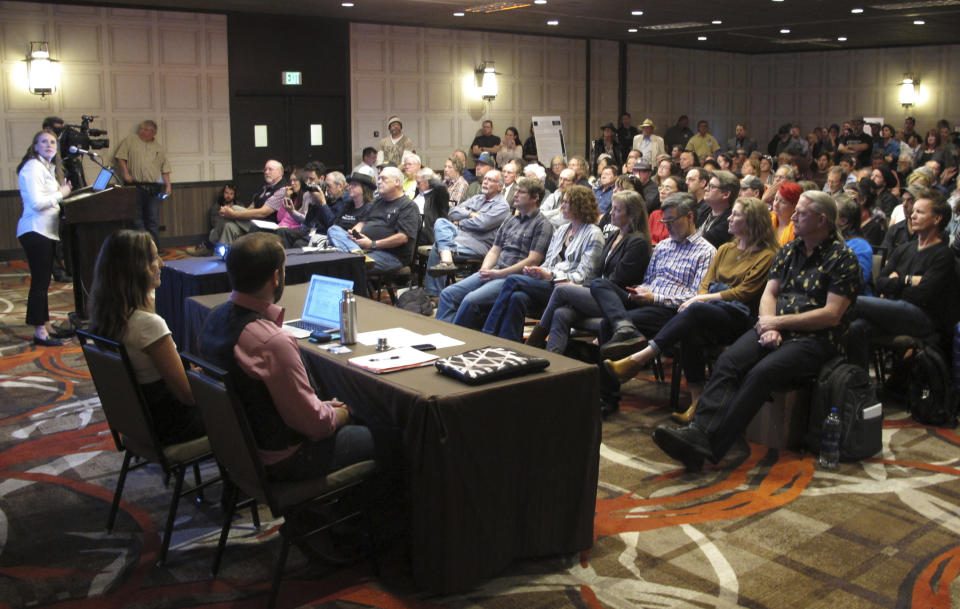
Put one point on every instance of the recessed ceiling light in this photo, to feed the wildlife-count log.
(778, 0)
(785, 30)
(701, 38)
(632, 30)
(841, 38)
(458, 14)
(716, 22)
(919, 22)
(539, 1)
(346, 4)
(636, 13)
(856, 11)
(553, 22)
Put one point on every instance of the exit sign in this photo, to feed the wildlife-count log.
(291, 78)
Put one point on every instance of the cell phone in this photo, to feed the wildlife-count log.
(424, 347)
(356, 234)
(320, 337)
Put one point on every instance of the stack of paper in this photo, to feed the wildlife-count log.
(400, 358)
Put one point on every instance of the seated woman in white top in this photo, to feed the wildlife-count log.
(122, 308)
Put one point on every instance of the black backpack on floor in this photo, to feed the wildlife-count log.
(930, 393)
(848, 388)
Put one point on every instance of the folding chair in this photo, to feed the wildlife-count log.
(133, 430)
(236, 451)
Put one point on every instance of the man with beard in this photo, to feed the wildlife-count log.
(298, 435)
(395, 144)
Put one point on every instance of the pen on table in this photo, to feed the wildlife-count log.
(380, 359)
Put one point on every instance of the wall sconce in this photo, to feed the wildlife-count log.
(43, 73)
(487, 81)
(909, 87)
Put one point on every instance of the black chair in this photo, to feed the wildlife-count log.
(133, 430)
(236, 452)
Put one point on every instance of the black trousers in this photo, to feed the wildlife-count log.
(743, 378)
(39, 251)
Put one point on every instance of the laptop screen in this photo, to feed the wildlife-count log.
(103, 179)
(322, 305)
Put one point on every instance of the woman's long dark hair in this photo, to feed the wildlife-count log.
(121, 280)
(32, 151)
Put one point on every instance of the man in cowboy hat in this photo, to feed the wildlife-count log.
(394, 145)
(647, 143)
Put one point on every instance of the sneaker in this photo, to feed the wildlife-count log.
(199, 250)
(442, 269)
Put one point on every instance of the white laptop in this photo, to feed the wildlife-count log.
(321, 309)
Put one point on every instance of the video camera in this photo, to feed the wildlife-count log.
(83, 137)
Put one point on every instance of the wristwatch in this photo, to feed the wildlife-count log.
(373, 244)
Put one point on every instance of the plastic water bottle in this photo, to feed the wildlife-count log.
(348, 318)
(830, 441)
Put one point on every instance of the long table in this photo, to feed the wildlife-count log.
(181, 279)
(495, 472)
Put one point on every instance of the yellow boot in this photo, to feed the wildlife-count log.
(686, 416)
(624, 369)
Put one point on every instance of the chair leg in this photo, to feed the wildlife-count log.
(675, 384)
(172, 513)
(278, 573)
(112, 517)
(231, 505)
(197, 481)
(255, 514)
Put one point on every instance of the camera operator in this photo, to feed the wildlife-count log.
(143, 162)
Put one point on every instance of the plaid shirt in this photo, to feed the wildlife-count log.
(677, 268)
(519, 235)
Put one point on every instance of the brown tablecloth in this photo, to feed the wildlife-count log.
(495, 472)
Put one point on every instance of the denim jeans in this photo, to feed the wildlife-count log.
(444, 238)
(466, 302)
(880, 317)
(520, 295)
(383, 261)
(568, 305)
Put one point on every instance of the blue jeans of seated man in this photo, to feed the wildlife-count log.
(382, 261)
(880, 317)
(466, 302)
(520, 295)
(444, 238)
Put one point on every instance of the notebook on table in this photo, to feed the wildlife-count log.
(321, 308)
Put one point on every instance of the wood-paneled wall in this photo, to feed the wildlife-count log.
(122, 65)
(184, 216)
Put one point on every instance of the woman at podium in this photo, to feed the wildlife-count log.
(38, 229)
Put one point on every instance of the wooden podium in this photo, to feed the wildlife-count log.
(90, 218)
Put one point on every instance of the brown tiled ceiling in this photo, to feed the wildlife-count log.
(746, 26)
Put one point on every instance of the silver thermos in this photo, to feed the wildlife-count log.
(348, 318)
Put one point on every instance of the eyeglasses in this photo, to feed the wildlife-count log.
(669, 220)
(712, 186)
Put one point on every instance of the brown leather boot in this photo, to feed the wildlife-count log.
(538, 336)
(624, 369)
(686, 416)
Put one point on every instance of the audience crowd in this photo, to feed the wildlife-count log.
(785, 254)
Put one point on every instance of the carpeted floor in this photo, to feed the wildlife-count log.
(764, 529)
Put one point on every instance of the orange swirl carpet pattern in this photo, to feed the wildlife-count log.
(763, 529)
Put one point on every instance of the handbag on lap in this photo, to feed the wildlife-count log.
(488, 364)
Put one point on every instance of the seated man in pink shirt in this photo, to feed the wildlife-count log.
(299, 436)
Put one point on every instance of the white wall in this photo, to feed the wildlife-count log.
(124, 66)
(416, 73)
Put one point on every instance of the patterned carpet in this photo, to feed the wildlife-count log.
(764, 529)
